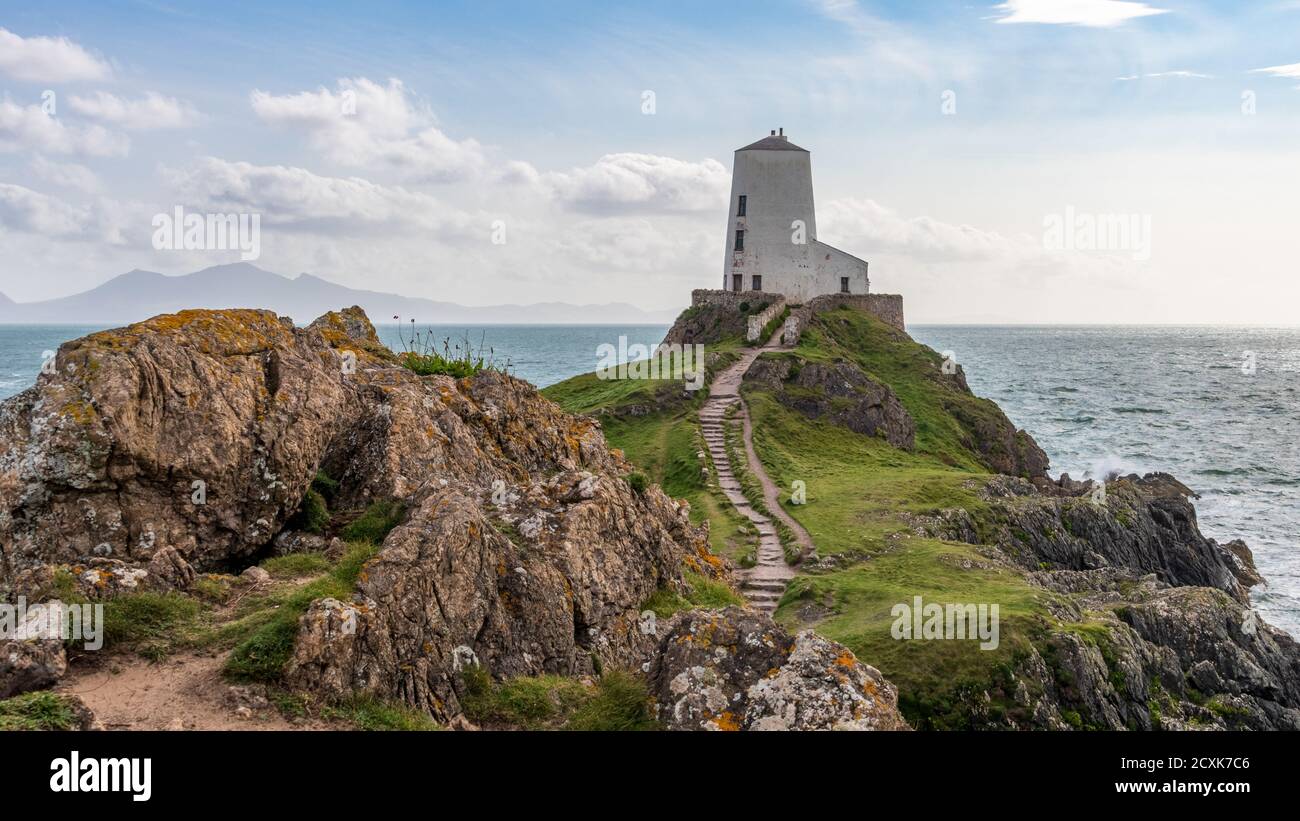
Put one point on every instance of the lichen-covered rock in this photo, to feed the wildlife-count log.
(30, 664)
(552, 581)
(738, 670)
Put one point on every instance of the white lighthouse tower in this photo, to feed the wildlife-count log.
(772, 228)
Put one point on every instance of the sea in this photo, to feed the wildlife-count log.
(1217, 407)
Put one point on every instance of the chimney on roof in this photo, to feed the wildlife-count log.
(781, 133)
(773, 132)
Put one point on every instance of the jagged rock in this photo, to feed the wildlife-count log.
(738, 670)
(451, 581)
(840, 393)
(30, 664)
(1145, 524)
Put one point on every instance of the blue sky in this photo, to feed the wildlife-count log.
(531, 115)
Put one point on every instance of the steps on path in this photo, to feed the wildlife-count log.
(763, 584)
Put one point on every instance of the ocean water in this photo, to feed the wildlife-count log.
(1179, 400)
(1097, 399)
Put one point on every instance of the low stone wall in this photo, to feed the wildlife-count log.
(757, 322)
(731, 299)
(888, 308)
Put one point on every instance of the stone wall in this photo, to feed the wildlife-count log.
(757, 322)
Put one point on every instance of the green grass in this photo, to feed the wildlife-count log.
(703, 592)
(150, 622)
(373, 524)
(367, 712)
(37, 711)
(618, 701)
(296, 565)
(264, 635)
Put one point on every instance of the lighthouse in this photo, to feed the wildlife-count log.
(772, 240)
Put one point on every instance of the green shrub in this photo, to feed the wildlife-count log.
(373, 525)
(313, 514)
(459, 360)
(638, 481)
(325, 486)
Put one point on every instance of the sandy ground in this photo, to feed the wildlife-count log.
(185, 691)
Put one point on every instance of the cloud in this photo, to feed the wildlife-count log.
(29, 127)
(1092, 13)
(874, 228)
(297, 198)
(1291, 71)
(637, 244)
(67, 175)
(645, 182)
(368, 125)
(49, 60)
(149, 112)
(1189, 75)
(22, 209)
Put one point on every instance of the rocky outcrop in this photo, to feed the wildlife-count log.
(523, 547)
(738, 670)
(1146, 524)
(838, 393)
(551, 581)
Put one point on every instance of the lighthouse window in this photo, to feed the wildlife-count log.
(740, 208)
(758, 283)
(740, 240)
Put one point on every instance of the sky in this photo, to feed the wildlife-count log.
(486, 153)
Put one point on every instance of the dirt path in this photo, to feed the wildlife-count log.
(185, 691)
(765, 582)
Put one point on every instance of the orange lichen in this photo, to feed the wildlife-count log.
(846, 659)
(726, 721)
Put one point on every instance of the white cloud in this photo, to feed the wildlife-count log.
(67, 175)
(22, 209)
(368, 125)
(297, 198)
(637, 244)
(873, 228)
(1093, 13)
(149, 112)
(642, 182)
(1291, 71)
(29, 127)
(49, 60)
(1188, 75)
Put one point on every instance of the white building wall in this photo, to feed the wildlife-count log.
(777, 185)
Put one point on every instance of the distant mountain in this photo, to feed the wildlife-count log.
(139, 295)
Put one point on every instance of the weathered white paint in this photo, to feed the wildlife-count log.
(775, 177)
